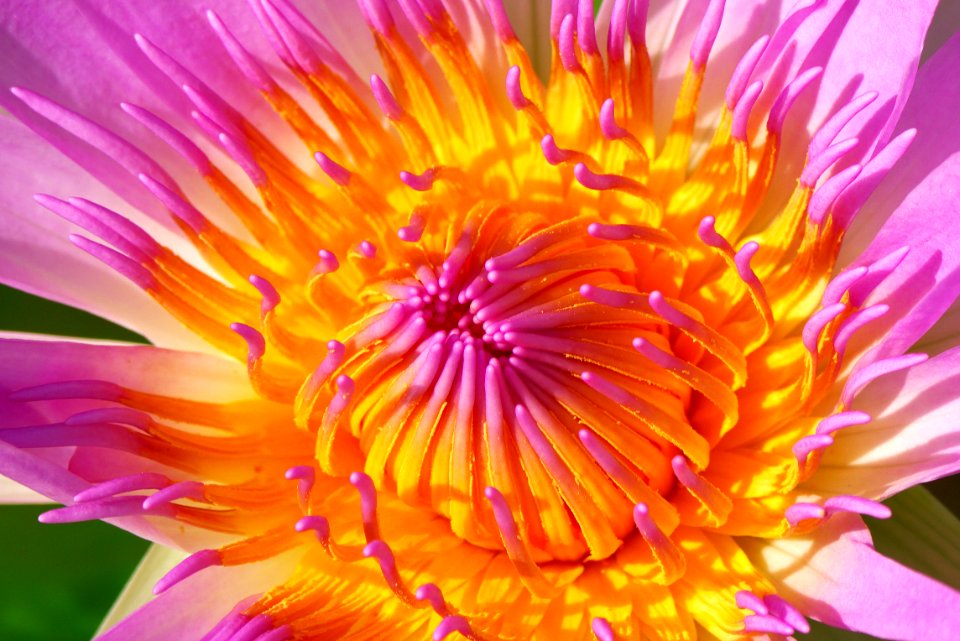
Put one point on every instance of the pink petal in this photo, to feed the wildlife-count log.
(671, 29)
(35, 253)
(912, 207)
(62, 472)
(912, 439)
(837, 577)
(194, 606)
(840, 36)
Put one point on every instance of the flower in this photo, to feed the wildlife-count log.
(522, 359)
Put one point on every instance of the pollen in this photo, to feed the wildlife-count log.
(529, 371)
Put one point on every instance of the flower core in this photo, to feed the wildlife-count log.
(541, 365)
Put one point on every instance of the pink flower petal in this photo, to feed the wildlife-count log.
(915, 204)
(912, 438)
(35, 252)
(62, 472)
(194, 606)
(837, 577)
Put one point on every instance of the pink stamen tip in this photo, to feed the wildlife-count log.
(317, 524)
(93, 389)
(377, 15)
(253, 629)
(617, 31)
(306, 477)
(368, 503)
(648, 528)
(245, 62)
(706, 34)
(515, 91)
(799, 512)
(841, 283)
(601, 629)
(741, 113)
(368, 249)
(414, 231)
(567, 44)
(421, 182)
(283, 633)
(783, 610)
(388, 564)
(132, 483)
(835, 422)
(637, 21)
(451, 624)
(337, 172)
(586, 28)
(385, 99)
(808, 444)
(745, 68)
(300, 472)
(597, 182)
(832, 128)
(559, 9)
(106, 224)
(817, 166)
(171, 136)
(417, 17)
(551, 152)
(191, 565)
(877, 272)
(431, 593)
(117, 415)
(129, 269)
(270, 297)
(855, 323)
(742, 260)
(256, 343)
(823, 199)
(857, 505)
(708, 234)
(810, 336)
(781, 106)
(181, 490)
(863, 377)
(109, 507)
(747, 600)
(328, 262)
(766, 624)
(608, 122)
(851, 200)
(242, 155)
(500, 20)
(175, 203)
(303, 52)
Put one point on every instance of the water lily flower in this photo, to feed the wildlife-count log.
(628, 348)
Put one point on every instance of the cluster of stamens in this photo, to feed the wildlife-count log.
(546, 338)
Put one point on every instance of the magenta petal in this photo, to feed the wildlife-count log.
(64, 471)
(837, 577)
(35, 252)
(912, 438)
(840, 37)
(191, 608)
(916, 202)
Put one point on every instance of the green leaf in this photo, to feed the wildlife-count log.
(923, 535)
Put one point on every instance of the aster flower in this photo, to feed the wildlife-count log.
(444, 348)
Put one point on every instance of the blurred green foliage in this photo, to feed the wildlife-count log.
(58, 581)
